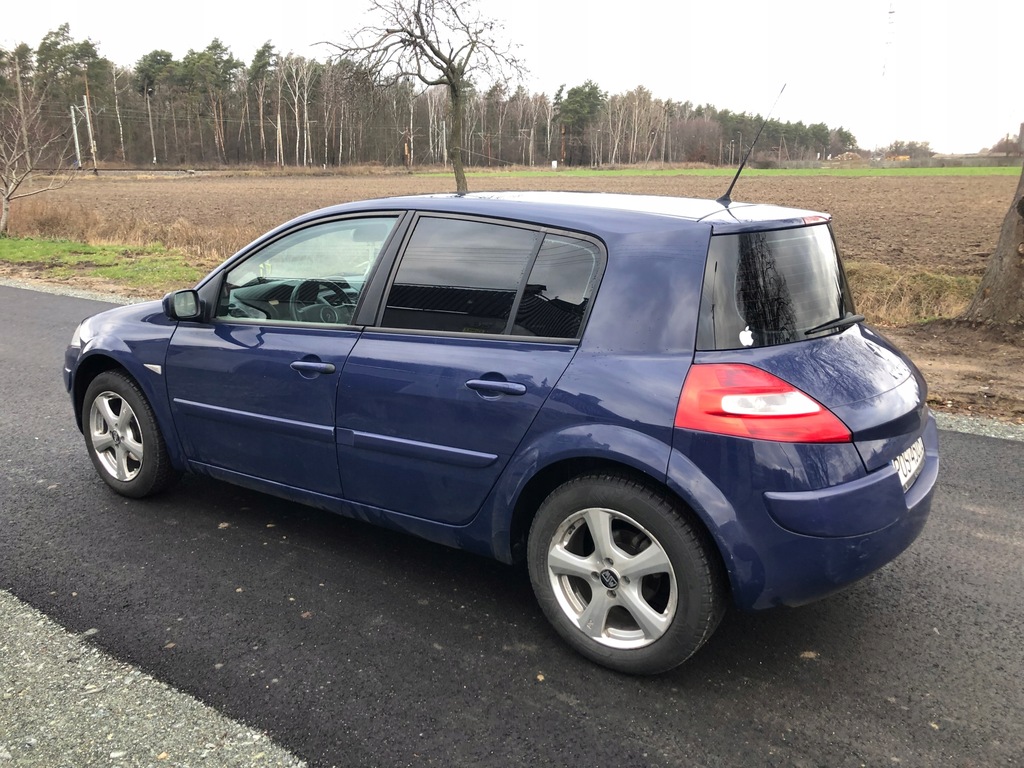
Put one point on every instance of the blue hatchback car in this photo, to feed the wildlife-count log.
(664, 406)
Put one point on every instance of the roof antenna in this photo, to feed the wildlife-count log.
(726, 199)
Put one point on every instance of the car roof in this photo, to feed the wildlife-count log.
(597, 211)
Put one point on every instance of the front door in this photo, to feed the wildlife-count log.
(253, 391)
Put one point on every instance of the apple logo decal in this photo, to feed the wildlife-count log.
(746, 337)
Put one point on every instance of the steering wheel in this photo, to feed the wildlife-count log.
(305, 303)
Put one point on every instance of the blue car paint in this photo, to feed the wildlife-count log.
(615, 402)
(769, 565)
(129, 338)
(231, 395)
(423, 442)
(859, 376)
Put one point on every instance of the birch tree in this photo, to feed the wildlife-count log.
(150, 70)
(258, 76)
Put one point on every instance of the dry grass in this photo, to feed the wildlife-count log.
(898, 297)
(203, 247)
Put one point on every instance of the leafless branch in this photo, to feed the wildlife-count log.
(437, 42)
(21, 157)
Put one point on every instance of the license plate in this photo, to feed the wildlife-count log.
(908, 465)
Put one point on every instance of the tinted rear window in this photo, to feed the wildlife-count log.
(463, 276)
(767, 288)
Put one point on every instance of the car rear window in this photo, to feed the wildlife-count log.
(771, 287)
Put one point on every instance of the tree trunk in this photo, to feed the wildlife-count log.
(1000, 297)
(120, 124)
(455, 148)
(5, 214)
(261, 88)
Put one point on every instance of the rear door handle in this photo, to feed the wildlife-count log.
(310, 366)
(487, 387)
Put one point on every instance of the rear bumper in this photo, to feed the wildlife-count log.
(802, 568)
(869, 504)
(796, 548)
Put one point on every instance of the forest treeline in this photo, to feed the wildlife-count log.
(211, 109)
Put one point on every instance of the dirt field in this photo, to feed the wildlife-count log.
(945, 224)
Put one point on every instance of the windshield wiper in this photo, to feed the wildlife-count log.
(839, 322)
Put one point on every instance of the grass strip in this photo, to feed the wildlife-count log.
(148, 269)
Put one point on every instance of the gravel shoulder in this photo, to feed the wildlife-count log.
(65, 703)
(980, 425)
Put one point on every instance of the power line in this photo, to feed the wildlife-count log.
(890, 34)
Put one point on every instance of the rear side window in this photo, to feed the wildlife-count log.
(767, 288)
(559, 288)
(464, 276)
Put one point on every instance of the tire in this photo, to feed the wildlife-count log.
(623, 576)
(123, 438)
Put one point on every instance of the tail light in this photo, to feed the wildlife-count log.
(743, 401)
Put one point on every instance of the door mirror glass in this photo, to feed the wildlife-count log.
(182, 305)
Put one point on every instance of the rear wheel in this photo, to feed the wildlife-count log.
(625, 578)
(123, 438)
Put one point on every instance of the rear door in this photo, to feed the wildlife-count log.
(479, 321)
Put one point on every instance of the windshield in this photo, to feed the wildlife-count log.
(767, 288)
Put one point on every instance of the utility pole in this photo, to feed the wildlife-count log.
(74, 130)
(149, 111)
(88, 125)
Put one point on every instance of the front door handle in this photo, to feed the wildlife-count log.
(311, 366)
(486, 387)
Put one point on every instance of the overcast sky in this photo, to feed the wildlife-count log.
(914, 70)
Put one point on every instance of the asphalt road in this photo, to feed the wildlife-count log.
(354, 646)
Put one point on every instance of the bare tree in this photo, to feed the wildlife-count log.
(438, 42)
(1000, 297)
(28, 142)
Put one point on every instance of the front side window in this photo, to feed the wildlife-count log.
(772, 287)
(313, 275)
(462, 276)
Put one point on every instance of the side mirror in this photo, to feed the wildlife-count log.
(183, 305)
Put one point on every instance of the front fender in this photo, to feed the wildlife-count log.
(140, 356)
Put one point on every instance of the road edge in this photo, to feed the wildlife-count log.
(65, 702)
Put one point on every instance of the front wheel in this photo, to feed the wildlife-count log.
(624, 577)
(123, 438)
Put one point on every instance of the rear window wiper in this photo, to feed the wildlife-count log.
(839, 322)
